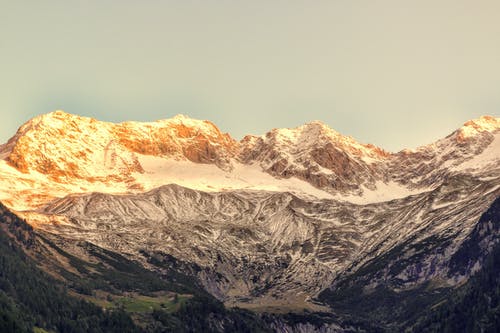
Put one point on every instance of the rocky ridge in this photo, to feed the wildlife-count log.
(57, 154)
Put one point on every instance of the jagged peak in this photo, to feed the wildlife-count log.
(181, 116)
(317, 133)
(58, 116)
(204, 126)
(319, 127)
(58, 113)
(56, 120)
(311, 129)
(474, 127)
(61, 144)
(483, 123)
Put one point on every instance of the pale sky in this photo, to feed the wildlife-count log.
(393, 73)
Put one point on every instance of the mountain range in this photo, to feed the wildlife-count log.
(296, 230)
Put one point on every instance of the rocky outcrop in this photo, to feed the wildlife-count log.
(65, 146)
(317, 154)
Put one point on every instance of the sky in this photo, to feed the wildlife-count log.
(397, 74)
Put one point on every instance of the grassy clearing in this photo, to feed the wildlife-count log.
(294, 304)
(170, 303)
(135, 303)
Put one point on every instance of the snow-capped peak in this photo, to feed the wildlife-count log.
(307, 134)
(54, 119)
(476, 126)
(315, 135)
(66, 145)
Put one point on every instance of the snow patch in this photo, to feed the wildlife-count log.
(488, 157)
(383, 192)
(208, 177)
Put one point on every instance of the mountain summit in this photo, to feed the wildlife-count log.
(64, 145)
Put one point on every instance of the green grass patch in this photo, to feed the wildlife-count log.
(135, 303)
(39, 330)
(170, 303)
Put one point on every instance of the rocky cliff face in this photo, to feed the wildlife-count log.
(66, 146)
(59, 153)
(473, 148)
(316, 154)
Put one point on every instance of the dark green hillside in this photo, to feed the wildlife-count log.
(106, 296)
(30, 298)
(472, 307)
(475, 306)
